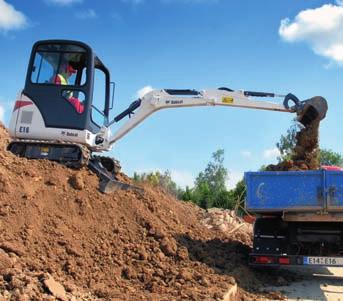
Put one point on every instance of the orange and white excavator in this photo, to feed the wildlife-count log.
(62, 114)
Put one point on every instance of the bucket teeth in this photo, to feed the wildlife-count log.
(312, 109)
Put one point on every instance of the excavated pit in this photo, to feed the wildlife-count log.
(61, 239)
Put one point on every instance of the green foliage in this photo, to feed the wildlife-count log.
(215, 174)
(238, 195)
(186, 195)
(287, 143)
(329, 157)
(163, 180)
(239, 192)
(210, 185)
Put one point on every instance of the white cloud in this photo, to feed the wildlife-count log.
(321, 28)
(271, 153)
(143, 91)
(64, 2)
(234, 177)
(86, 14)
(246, 154)
(2, 113)
(10, 18)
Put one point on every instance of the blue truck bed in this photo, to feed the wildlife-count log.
(298, 191)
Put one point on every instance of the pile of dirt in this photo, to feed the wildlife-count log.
(306, 152)
(61, 239)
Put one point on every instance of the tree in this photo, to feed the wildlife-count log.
(287, 143)
(210, 188)
(164, 180)
(187, 194)
(215, 174)
(329, 157)
(203, 196)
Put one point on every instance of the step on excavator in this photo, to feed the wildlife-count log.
(63, 112)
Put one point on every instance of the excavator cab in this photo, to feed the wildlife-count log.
(66, 94)
(63, 107)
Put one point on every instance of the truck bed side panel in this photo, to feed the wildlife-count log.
(285, 191)
(334, 187)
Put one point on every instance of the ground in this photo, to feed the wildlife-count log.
(317, 283)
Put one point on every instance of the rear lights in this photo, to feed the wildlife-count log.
(284, 260)
(270, 260)
(264, 259)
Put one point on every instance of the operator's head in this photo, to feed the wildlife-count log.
(68, 69)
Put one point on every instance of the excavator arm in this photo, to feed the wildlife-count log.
(169, 98)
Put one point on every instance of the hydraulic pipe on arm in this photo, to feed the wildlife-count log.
(169, 98)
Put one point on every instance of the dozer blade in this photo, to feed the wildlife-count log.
(312, 109)
(106, 169)
(110, 185)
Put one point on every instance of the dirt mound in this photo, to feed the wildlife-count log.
(306, 152)
(60, 238)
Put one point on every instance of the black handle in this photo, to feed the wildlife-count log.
(133, 106)
(225, 89)
(294, 99)
(182, 92)
(259, 94)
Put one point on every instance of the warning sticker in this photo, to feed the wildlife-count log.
(227, 99)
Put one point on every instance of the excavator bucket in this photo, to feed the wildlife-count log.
(312, 109)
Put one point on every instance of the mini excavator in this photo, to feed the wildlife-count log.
(62, 114)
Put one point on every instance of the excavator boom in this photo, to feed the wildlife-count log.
(308, 110)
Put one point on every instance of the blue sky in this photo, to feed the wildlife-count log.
(275, 46)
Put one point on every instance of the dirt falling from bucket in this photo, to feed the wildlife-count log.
(306, 151)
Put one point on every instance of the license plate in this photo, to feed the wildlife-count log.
(315, 260)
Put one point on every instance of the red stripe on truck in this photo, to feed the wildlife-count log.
(20, 104)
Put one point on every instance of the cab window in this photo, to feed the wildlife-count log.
(59, 65)
(99, 97)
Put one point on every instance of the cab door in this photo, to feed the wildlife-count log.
(58, 82)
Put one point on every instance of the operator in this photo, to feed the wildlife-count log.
(62, 79)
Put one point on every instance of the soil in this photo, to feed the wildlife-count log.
(61, 239)
(306, 152)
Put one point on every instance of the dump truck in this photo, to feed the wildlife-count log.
(299, 217)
